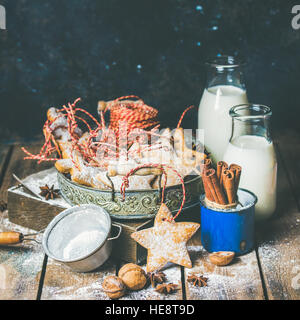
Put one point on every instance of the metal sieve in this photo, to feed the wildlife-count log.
(80, 237)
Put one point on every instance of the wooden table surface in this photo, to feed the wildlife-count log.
(270, 272)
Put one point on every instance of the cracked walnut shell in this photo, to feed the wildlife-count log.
(114, 287)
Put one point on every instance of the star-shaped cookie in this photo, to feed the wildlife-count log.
(166, 241)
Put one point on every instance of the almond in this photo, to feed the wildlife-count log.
(222, 258)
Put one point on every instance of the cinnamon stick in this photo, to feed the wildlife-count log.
(207, 188)
(229, 185)
(221, 185)
(237, 170)
(207, 164)
(214, 187)
(219, 169)
(221, 166)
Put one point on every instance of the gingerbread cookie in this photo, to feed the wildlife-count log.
(166, 241)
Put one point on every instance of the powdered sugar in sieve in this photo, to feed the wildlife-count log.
(78, 234)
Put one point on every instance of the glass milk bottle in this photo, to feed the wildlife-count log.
(251, 147)
(224, 89)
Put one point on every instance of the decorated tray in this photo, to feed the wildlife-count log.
(138, 204)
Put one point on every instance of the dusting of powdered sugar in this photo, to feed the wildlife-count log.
(83, 244)
(238, 280)
(25, 258)
(61, 283)
(79, 233)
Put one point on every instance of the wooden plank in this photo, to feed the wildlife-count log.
(127, 249)
(21, 168)
(4, 153)
(30, 212)
(279, 238)
(20, 265)
(238, 281)
(60, 283)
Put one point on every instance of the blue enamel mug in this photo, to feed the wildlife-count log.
(229, 230)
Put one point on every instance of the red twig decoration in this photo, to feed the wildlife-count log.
(183, 114)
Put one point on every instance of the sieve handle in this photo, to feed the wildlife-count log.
(119, 233)
(8, 238)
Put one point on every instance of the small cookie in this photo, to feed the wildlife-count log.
(135, 182)
(64, 165)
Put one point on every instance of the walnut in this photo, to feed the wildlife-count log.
(114, 287)
(133, 276)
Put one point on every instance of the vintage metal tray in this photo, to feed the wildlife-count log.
(138, 204)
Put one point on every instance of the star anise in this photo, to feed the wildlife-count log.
(49, 193)
(197, 281)
(156, 277)
(3, 205)
(166, 288)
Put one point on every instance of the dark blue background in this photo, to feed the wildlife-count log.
(55, 51)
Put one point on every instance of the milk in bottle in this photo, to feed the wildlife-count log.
(252, 148)
(224, 90)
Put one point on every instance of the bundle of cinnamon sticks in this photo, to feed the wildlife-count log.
(221, 185)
